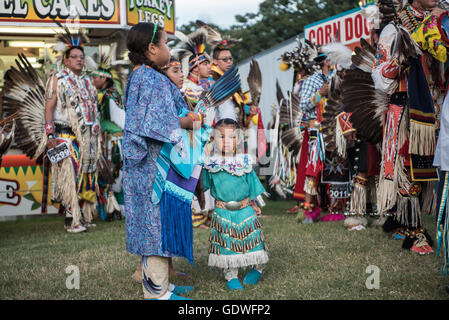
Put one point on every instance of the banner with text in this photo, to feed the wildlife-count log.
(94, 13)
(348, 28)
(161, 12)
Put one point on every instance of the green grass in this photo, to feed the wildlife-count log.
(319, 261)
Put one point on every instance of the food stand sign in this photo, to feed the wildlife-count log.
(88, 13)
(21, 187)
(349, 26)
(161, 12)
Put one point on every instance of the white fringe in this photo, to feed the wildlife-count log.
(422, 139)
(309, 187)
(388, 190)
(64, 187)
(238, 260)
(340, 141)
(89, 211)
(358, 199)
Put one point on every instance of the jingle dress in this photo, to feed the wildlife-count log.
(236, 237)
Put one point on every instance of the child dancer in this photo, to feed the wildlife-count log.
(236, 237)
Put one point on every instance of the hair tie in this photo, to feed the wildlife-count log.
(154, 32)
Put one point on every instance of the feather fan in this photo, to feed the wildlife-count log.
(6, 139)
(24, 94)
(290, 116)
(332, 110)
(255, 82)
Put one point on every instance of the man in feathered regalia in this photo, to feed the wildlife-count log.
(312, 99)
(291, 119)
(399, 94)
(72, 118)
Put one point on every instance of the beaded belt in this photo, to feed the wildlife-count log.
(233, 205)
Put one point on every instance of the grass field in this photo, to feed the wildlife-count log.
(319, 261)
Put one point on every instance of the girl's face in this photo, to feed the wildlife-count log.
(226, 138)
(175, 75)
(159, 53)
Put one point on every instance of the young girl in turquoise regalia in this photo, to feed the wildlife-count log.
(236, 237)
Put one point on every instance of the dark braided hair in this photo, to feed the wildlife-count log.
(138, 40)
(227, 121)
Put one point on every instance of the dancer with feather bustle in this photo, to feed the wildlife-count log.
(72, 117)
(409, 46)
(301, 59)
(312, 99)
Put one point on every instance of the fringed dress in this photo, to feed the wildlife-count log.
(236, 237)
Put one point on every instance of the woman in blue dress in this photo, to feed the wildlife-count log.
(153, 104)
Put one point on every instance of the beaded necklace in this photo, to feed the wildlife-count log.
(413, 14)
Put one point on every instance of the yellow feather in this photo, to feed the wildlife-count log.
(284, 66)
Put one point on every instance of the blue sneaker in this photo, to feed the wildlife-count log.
(182, 289)
(176, 297)
(398, 235)
(172, 297)
(234, 284)
(252, 277)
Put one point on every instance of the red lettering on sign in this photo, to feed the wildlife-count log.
(358, 26)
(337, 30)
(328, 34)
(349, 29)
(367, 27)
(320, 36)
(312, 36)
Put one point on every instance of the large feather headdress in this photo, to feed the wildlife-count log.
(301, 58)
(109, 67)
(215, 39)
(66, 39)
(191, 50)
(338, 54)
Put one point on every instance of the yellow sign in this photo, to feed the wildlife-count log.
(21, 187)
(161, 12)
(101, 13)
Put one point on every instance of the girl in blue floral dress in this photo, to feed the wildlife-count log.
(153, 104)
(236, 237)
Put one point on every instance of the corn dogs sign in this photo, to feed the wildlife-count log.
(347, 28)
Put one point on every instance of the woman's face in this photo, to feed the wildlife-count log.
(174, 73)
(225, 139)
(159, 53)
